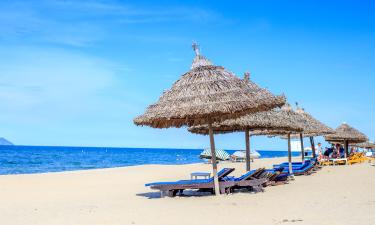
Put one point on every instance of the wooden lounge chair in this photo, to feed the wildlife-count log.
(172, 188)
(275, 177)
(357, 158)
(315, 162)
(339, 161)
(304, 169)
(369, 159)
(252, 181)
(326, 163)
(312, 161)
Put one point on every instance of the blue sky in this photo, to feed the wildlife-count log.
(78, 72)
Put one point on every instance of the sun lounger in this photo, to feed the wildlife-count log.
(297, 164)
(357, 158)
(326, 162)
(252, 181)
(172, 188)
(340, 161)
(276, 177)
(306, 170)
(294, 166)
(369, 159)
(303, 169)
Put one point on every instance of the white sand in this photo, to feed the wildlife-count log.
(333, 196)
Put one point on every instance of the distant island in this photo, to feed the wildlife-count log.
(4, 141)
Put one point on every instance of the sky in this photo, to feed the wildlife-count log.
(76, 73)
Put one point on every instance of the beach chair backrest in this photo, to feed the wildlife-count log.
(223, 173)
(251, 174)
(279, 169)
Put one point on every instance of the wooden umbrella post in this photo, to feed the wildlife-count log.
(312, 146)
(247, 139)
(290, 156)
(346, 146)
(213, 159)
(302, 147)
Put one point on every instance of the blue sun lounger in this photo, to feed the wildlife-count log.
(303, 169)
(277, 176)
(312, 161)
(294, 164)
(172, 188)
(253, 180)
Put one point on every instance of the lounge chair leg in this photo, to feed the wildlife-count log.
(172, 193)
(257, 189)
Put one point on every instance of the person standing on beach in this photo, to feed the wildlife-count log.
(319, 149)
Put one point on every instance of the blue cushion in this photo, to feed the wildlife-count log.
(302, 170)
(243, 177)
(181, 182)
(184, 182)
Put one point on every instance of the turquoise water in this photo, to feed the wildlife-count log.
(42, 159)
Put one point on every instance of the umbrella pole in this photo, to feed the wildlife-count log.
(247, 139)
(302, 147)
(312, 147)
(346, 146)
(290, 156)
(213, 159)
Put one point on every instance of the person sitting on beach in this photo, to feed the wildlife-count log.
(337, 150)
(327, 153)
(334, 155)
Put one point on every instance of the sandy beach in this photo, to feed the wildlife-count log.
(333, 196)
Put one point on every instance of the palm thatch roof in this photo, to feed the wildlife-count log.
(367, 144)
(206, 93)
(346, 133)
(283, 120)
(313, 127)
(270, 133)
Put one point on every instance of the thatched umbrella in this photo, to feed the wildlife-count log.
(204, 95)
(347, 135)
(366, 145)
(293, 118)
(283, 120)
(241, 124)
(313, 128)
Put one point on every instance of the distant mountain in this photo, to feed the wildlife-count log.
(4, 141)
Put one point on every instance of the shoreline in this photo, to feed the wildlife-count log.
(141, 165)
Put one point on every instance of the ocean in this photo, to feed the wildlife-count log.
(43, 159)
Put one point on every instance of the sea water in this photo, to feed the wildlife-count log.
(43, 159)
